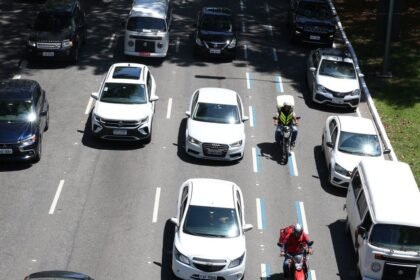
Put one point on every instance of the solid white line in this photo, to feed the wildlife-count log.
(245, 51)
(57, 195)
(168, 113)
(358, 112)
(254, 160)
(89, 105)
(294, 164)
(111, 41)
(302, 213)
(248, 81)
(177, 45)
(17, 77)
(259, 217)
(156, 207)
(243, 27)
(251, 117)
(275, 55)
(263, 270)
(313, 276)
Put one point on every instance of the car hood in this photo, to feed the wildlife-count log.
(338, 85)
(50, 36)
(215, 36)
(123, 112)
(314, 21)
(12, 132)
(349, 161)
(208, 247)
(215, 132)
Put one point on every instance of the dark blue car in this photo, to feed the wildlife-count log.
(58, 275)
(23, 119)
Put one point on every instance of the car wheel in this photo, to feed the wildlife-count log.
(38, 150)
(322, 144)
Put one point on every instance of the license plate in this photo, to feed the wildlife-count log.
(214, 152)
(314, 37)
(120, 132)
(47, 53)
(215, 51)
(207, 277)
(144, 53)
(338, 100)
(6, 151)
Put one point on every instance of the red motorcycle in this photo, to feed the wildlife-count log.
(299, 267)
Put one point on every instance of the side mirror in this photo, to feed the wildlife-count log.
(387, 151)
(330, 145)
(95, 95)
(175, 221)
(312, 69)
(154, 98)
(248, 227)
(245, 118)
(188, 113)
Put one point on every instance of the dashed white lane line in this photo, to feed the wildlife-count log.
(259, 214)
(254, 160)
(358, 112)
(312, 275)
(17, 77)
(251, 116)
(279, 84)
(111, 42)
(56, 197)
(293, 165)
(177, 45)
(275, 55)
(302, 216)
(168, 113)
(245, 51)
(265, 271)
(248, 80)
(156, 206)
(89, 105)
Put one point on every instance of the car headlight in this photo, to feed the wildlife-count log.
(28, 141)
(299, 25)
(96, 118)
(182, 258)
(31, 43)
(320, 88)
(67, 43)
(341, 170)
(193, 140)
(356, 92)
(232, 43)
(145, 120)
(237, 262)
(236, 144)
(376, 267)
(198, 42)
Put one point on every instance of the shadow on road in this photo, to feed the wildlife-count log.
(168, 240)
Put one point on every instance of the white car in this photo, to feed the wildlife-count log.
(332, 78)
(209, 240)
(125, 103)
(346, 140)
(215, 126)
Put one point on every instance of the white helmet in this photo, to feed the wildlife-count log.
(297, 230)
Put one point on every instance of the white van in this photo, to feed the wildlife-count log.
(147, 28)
(383, 218)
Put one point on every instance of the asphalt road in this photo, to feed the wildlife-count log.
(107, 221)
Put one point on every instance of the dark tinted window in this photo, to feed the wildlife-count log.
(396, 237)
(332, 125)
(216, 23)
(53, 22)
(217, 113)
(314, 10)
(362, 204)
(146, 23)
(357, 184)
(126, 73)
(123, 93)
(359, 144)
(16, 110)
(337, 69)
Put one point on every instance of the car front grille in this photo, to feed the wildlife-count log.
(395, 271)
(145, 46)
(48, 45)
(215, 150)
(315, 29)
(216, 45)
(208, 265)
(119, 124)
(339, 94)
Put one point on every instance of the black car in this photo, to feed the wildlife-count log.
(58, 32)
(57, 275)
(216, 33)
(23, 119)
(311, 21)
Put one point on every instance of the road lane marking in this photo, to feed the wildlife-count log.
(261, 220)
(248, 80)
(292, 164)
(245, 51)
(56, 197)
(111, 42)
(311, 275)
(16, 77)
(279, 84)
(358, 112)
(251, 116)
(255, 163)
(270, 29)
(168, 113)
(177, 45)
(275, 55)
(156, 206)
(89, 105)
(300, 209)
(243, 26)
(265, 271)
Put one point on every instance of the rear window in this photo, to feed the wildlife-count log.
(314, 10)
(53, 22)
(126, 73)
(142, 24)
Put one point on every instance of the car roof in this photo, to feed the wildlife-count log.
(357, 125)
(212, 192)
(335, 54)
(217, 96)
(16, 89)
(392, 191)
(217, 11)
(127, 73)
(59, 6)
(150, 8)
(52, 274)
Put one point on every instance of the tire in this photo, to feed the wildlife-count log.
(329, 176)
(38, 150)
(322, 145)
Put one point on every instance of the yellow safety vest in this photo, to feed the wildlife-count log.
(285, 119)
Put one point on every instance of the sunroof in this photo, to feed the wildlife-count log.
(125, 72)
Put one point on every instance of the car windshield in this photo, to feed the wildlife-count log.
(314, 10)
(397, 237)
(217, 23)
(124, 93)
(16, 111)
(52, 22)
(217, 113)
(211, 221)
(337, 69)
(146, 23)
(359, 144)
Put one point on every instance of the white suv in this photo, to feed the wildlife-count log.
(125, 103)
(210, 224)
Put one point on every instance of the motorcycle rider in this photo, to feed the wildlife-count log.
(285, 115)
(293, 241)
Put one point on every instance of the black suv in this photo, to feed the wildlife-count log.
(23, 119)
(311, 21)
(58, 32)
(216, 32)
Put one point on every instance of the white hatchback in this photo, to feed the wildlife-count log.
(346, 140)
(215, 126)
(210, 224)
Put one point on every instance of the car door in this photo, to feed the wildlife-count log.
(151, 90)
(330, 135)
(356, 205)
(38, 106)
